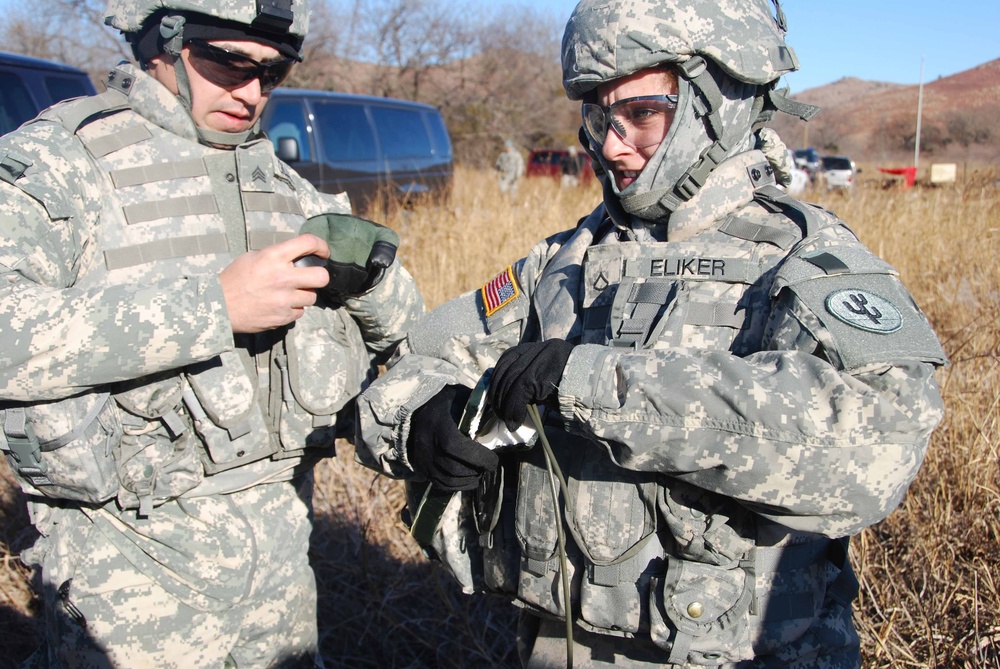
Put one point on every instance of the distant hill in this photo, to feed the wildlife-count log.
(876, 121)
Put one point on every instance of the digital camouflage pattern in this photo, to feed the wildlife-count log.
(114, 224)
(608, 39)
(727, 56)
(250, 600)
(719, 426)
(129, 15)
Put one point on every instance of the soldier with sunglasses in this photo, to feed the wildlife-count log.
(730, 384)
(185, 322)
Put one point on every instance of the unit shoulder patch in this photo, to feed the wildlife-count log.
(865, 310)
(500, 291)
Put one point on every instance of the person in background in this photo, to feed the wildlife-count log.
(510, 169)
(572, 167)
(730, 383)
(185, 322)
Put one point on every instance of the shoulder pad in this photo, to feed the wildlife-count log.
(73, 114)
(43, 186)
(858, 298)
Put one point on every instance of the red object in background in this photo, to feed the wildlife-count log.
(549, 163)
(909, 174)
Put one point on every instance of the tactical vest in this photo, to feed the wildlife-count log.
(651, 555)
(177, 208)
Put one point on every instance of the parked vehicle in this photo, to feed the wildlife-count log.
(29, 85)
(551, 162)
(808, 160)
(375, 149)
(800, 178)
(837, 172)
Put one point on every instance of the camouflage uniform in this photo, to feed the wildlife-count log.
(175, 517)
(510, 165)
(750, 386)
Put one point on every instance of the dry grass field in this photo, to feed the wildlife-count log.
(930, 573)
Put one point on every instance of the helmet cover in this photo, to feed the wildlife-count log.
(609, 39)
(280, 17)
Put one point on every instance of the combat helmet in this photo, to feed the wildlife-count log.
(728, 55)
(153, 27)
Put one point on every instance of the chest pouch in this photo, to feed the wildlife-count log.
(326, 366)
(222, 399)
(64, 449)
(159, 455)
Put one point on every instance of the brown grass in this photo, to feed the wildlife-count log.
(930, 573)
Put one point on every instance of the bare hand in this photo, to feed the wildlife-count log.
(264, 290)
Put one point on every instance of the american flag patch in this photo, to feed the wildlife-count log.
(500, 291)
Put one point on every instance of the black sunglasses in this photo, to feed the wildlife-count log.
(229, 69)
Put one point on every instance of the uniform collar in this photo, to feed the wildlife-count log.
(730, 186)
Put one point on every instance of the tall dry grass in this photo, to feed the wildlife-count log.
(930, 573)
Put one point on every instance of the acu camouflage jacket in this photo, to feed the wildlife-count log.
(114, 224)
(750, 384)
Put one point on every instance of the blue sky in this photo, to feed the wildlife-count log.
(878, 40)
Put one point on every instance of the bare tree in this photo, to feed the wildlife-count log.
(492, 69)
(69, 31)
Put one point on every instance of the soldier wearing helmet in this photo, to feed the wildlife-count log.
(730, 384)
(185, 320)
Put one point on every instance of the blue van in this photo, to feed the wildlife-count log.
(29, 85)
(375, 149)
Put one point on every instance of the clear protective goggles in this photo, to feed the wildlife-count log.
(639, 122)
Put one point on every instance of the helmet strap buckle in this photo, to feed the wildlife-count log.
(172, 32)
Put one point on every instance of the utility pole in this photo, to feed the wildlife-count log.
(920, 108)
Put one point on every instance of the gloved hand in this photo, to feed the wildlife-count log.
(439, 451)
(527, 374)
(360, 252)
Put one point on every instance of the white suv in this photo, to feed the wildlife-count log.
(837, 172)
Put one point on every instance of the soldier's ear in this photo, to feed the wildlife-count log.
(163, 69)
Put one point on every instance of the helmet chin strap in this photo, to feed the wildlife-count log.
(707, 100)
(172, 31)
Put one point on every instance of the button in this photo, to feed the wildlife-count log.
(696, 610)
(230, 177)
(240, 454)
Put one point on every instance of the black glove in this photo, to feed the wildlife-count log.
(439, 451)
(527, 374)
(360, 252)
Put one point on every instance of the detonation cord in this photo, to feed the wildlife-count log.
(556, 472)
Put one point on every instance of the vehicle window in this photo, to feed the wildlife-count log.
(16, 105)
(833, 163)
(289, 120)
(401, 133)
(546, 157)
(439, 134)
(345, 132)
(64, 88)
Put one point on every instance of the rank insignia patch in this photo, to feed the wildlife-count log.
(865, 310)
(500, 291)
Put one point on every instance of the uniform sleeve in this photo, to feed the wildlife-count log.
(57, 337)
(388, 311)
(790, 431)
(453, 344)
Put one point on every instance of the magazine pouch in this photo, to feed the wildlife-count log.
(326, 366)
(158, 457)
(222, 399)
(63, 449)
